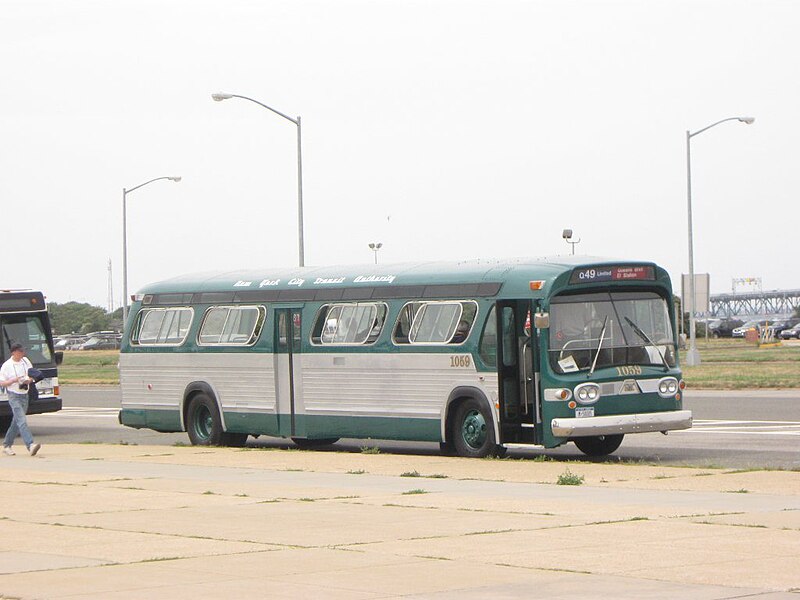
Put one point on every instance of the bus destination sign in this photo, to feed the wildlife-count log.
(613, 273)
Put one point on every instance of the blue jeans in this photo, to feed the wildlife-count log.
(19, 424)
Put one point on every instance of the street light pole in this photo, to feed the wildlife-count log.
(693, 356)
(219, 97)
(125, 193)
(375, 247)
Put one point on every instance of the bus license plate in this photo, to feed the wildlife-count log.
(587, 411)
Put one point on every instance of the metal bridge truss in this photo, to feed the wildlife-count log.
(776, 302)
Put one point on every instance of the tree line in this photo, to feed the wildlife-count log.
(79, 317)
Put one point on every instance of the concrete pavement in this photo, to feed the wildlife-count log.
(119, 522)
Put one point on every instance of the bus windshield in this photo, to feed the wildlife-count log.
(28, 330)
(589, 331)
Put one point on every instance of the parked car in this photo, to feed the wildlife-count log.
(754, 324)
(69, 342)
(723, 327)
(774, 328)
(100, 343)
(793, 333)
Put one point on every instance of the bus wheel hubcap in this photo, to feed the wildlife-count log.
(473, 429)
(204, 422)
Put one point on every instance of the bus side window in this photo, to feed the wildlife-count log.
(349, 324)
(469, 312)
(488, 347)
(404, 321)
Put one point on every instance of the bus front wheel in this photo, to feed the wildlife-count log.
(600, 445)
(473, 430)
(203, 422)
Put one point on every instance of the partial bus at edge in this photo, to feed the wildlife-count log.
(24, 319)
(480, 356)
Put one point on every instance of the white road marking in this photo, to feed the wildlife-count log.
(788, 428)
(83, 412)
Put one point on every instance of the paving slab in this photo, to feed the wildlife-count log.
(130, 522)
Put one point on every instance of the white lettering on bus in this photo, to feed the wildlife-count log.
(374, 278)
(297, 281)
(319, 280)
(266, 282)
(241, 283)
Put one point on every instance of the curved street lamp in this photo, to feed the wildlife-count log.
(693, 356)
(125, 193)
(219, 97)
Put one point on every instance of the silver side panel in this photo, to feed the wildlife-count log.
(241, 381)
(615, 424)
(369, 384)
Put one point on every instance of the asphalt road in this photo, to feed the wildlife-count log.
(743, 430)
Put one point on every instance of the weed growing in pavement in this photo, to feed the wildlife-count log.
(416, 491)
(739, 491)
(410, 474)
(569, 478)
(370, 450)
(356, 472)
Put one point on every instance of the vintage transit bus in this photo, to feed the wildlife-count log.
(477, 355)
(24, 319)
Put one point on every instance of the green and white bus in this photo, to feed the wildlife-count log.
(477, 355)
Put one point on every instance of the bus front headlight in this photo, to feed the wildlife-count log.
(667, 387)
(587, 393)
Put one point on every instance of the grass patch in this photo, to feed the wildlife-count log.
(92, 367)
(370, 450)
(569, 478)
(734, 364)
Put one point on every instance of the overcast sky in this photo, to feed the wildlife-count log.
(444, 130)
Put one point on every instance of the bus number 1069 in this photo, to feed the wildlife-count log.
(461, 361)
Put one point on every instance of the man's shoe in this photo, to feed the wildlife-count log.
(34, 449)
(8, 451)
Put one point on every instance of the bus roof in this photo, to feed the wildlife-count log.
(515, 276)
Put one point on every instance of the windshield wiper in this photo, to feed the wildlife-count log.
(647, 339)
(599, 345)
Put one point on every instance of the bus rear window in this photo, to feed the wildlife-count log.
(162, 326)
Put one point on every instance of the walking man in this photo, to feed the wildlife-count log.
(14, 377)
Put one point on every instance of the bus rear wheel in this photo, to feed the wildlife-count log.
(473, 430)
(203, 422)
(600, 445)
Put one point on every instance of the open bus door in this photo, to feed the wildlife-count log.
(517, 372)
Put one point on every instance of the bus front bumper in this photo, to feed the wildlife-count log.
(615, 424)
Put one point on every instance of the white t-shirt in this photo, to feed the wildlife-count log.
(11, 368)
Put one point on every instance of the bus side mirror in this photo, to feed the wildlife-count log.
(541, 320)
(59, 357)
